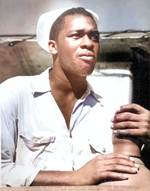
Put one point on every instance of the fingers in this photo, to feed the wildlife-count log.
(116, 166)
(103, 167)
(113, 176)
(132, 132)
(121, 169)
(126, 125)
(134, 108)
(131, 119)
(115, 156)
(130, 128)
(126, 116)
(119, 164)
(117, 159)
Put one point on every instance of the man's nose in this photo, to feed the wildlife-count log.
(86, 42)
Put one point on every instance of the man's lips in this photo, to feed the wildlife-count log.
(88, 57)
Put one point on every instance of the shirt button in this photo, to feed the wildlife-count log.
(103, 150)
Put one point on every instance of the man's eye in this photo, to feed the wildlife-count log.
(75, 35)
(94, 35)
(95, 38)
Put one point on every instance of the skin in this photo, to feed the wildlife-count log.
(74, 56)
(71, 67)
(133, 120)
(130, 126)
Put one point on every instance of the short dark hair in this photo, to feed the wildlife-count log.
(60, 21)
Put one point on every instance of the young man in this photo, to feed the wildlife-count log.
(55, 130)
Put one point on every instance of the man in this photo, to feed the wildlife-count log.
(55, 130)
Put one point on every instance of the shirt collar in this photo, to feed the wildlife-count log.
(93, 93)
(41, 85)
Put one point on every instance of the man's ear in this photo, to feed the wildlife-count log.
(52, 47)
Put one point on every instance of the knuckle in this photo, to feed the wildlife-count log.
(115, 155)
(108, 174)
(117, 160)
(114, 167)
(98, 158)
(134, 106)
(145, 118)
(129, 124)
(126, 116)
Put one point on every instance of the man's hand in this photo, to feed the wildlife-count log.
(132, 120)
(106, 167)
(100, 169)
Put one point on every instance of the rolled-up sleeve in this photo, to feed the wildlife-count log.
(11, 174)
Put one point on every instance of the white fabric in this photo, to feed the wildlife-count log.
(45, 22)
(33, 125)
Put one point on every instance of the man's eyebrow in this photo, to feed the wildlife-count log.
(81, 30)
(76, 30)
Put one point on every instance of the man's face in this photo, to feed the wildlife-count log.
(78, 45)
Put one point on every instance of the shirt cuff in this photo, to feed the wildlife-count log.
(18, 176)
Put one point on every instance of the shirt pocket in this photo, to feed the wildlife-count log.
(37, 140)
(98, 146)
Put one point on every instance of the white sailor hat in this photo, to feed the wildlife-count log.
(45, 22)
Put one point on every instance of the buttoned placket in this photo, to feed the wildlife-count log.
(74, 121)
(77, 110)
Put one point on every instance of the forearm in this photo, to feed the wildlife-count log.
(56, 178)
(95, 171)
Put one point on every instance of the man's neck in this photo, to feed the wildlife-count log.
(66, 90)
(67, 84)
